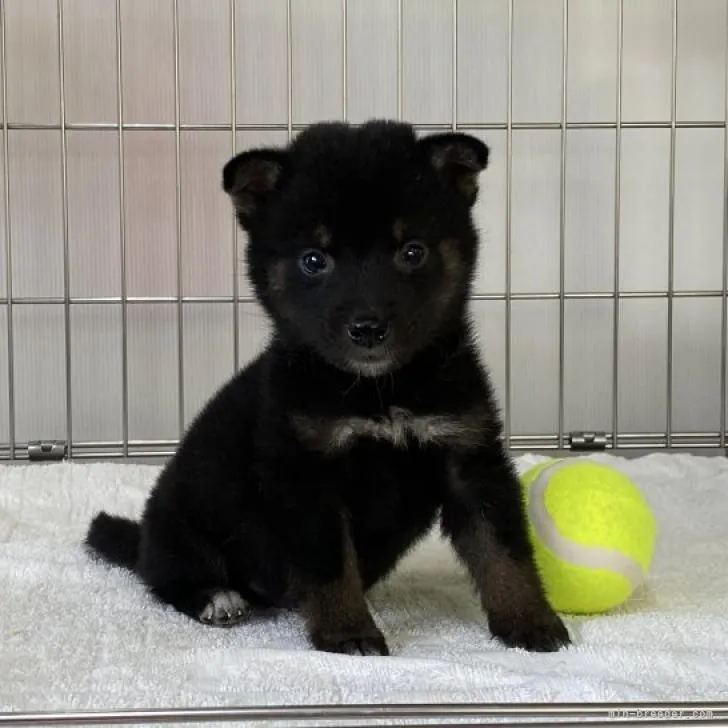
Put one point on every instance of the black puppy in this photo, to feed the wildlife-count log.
(313, 471)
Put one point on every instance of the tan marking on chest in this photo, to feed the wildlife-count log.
(399, 427)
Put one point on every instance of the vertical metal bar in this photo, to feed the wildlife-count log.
(8, 238)
(671, 226)
(289, 44)
(178, 202)
(509, 190)
(344, 59)
(617, 222)
(122, 239)
(64, 198)
(400, 57)
(234, 145)
(724, 288)
(454, 98)
(562, 214)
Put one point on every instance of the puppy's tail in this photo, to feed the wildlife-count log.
(114, 539)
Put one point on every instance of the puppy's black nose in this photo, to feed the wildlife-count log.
(368, 331)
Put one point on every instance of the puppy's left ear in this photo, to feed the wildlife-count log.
(458, 159)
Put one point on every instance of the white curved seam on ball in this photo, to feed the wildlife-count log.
(590, 557)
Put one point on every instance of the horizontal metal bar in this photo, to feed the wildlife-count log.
(640, 723)
(102, 449)
(100, 444)
(160, 126)
(712, 713)
(657, 435)
(71, 720)
(532, 442)
(599, 295)
(106, 455)
(102, 300)
(553, 296)
(552, 443)
(641, 436)
(474, 126)
(515, 446)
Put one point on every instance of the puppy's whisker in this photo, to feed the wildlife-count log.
(379, 393)
(347, 391)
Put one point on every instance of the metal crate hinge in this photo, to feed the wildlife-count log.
(588, 441)
(47, 450)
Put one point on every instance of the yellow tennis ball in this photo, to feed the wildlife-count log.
(592, 531)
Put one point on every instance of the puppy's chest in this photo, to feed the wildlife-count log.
(397, 426)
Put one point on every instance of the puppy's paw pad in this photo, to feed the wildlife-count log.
(536, 633)
(371, 644)
(367, 646)
(223, 608)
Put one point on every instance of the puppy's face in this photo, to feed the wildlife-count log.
(360, 240)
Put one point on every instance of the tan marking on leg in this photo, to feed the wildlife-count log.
(341, 601)
(505, 585)
(337, 615)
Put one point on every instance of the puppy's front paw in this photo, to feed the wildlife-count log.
(541, 631)
(367, 641)
(222, 608)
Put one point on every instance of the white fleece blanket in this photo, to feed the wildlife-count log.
(75, 635)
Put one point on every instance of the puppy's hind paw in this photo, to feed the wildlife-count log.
(222, 608)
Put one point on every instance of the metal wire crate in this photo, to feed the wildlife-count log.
(601, 300)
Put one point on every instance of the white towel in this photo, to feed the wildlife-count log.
(76, 635)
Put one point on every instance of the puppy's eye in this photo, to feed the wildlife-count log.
(315, 263)
(412, 255)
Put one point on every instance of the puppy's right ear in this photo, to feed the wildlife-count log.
(250, 179)
(458, 158)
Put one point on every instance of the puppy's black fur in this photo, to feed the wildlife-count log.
(367, 417)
